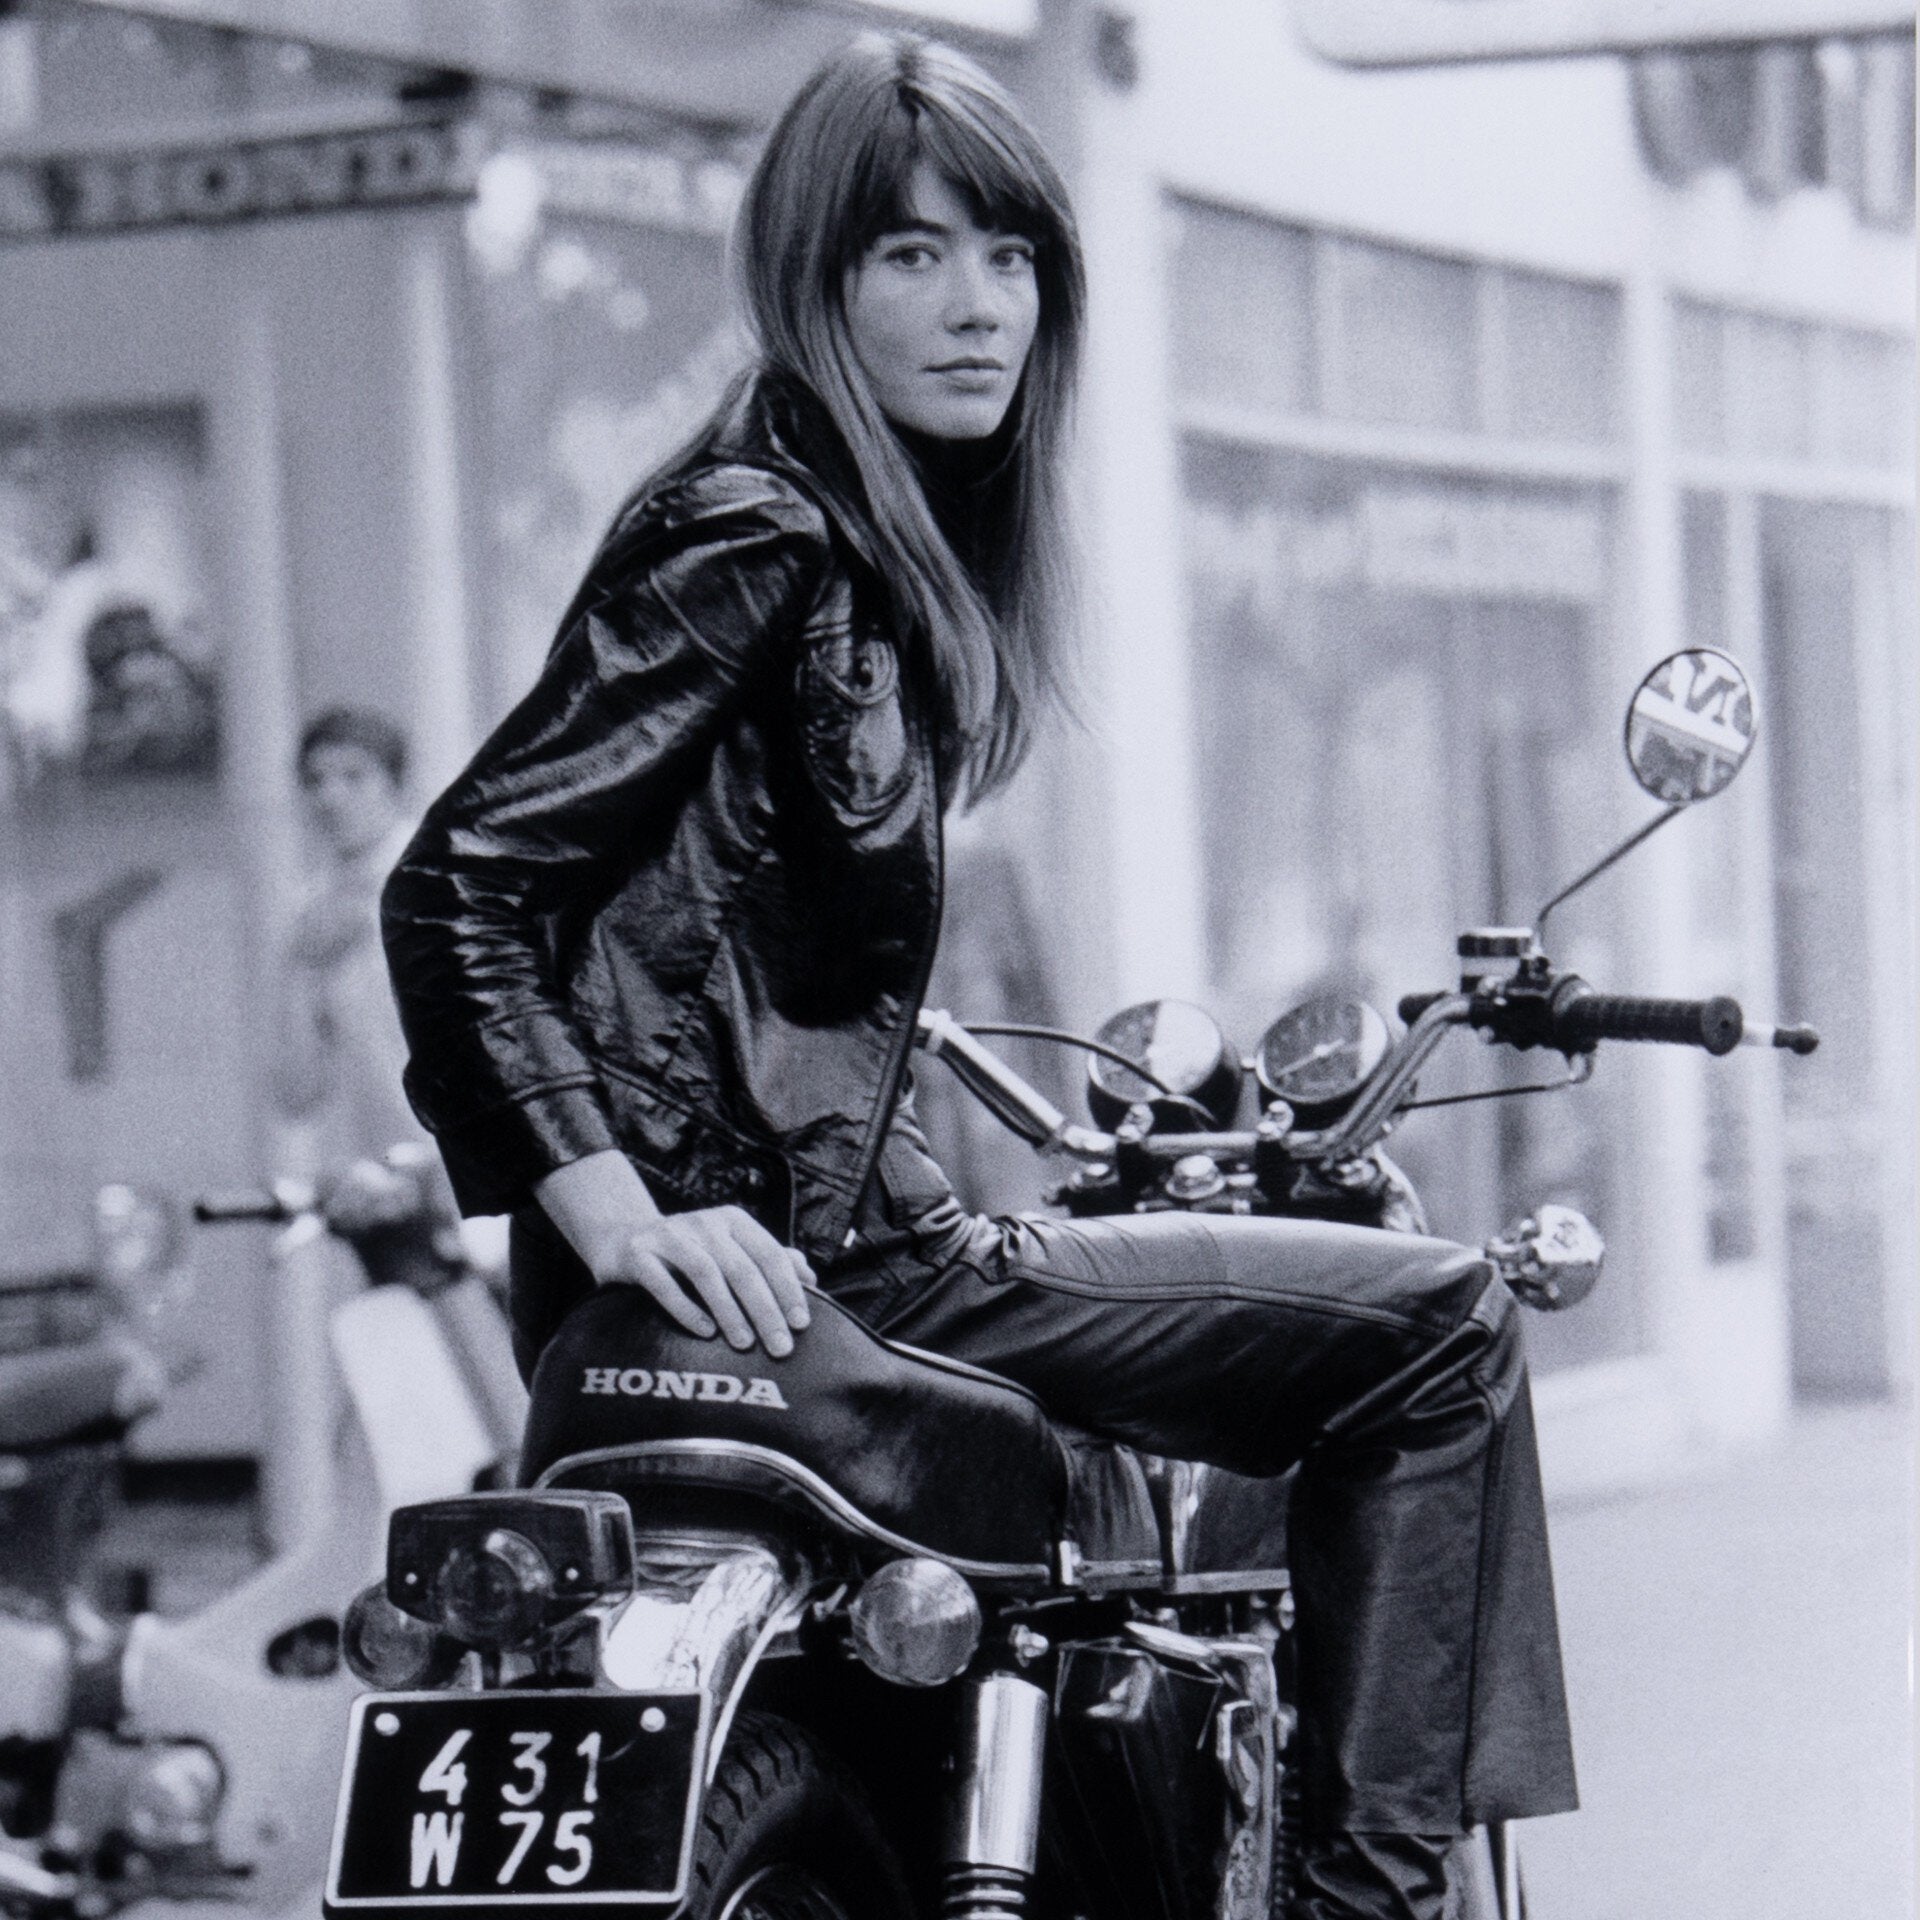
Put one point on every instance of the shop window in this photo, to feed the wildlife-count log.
(1699, 378)
(1399, 336)
(1562, 364)
(1769, 378)
(1863, 399)
(1283, 320)
(1703, 548)
(601, 290)
(1760, 387)
(107, 671)
(1243, 310)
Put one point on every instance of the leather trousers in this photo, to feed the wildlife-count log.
(1387, 1369)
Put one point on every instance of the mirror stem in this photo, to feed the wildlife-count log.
(1600, 866)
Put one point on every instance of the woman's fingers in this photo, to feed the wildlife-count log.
(751, 1288)
(652, 1274)
(785, 1269)
(703, 1273)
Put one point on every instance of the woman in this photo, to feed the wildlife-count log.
(659, 952)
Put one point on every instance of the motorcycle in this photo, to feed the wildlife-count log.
(862, 1632)
(193, 1756)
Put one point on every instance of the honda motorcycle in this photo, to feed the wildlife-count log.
(193, 1756)
(863, 1633)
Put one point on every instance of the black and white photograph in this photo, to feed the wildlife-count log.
(958, 960)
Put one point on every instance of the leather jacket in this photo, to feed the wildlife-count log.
(684, 901)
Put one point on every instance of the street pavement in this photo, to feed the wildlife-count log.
(1738, 1651)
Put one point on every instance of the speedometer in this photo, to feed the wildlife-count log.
(1182, 1047)
(1317, 1057)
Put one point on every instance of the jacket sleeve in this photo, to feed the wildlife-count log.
(691, 597)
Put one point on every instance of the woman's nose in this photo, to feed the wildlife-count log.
(974, 297)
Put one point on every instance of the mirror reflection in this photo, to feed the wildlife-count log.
(1691, 725)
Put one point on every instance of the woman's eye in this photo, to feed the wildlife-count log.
(1016, 256)
(911, 254)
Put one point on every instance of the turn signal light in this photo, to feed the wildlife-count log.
(174, 1798)
(916, 1623)
(391, 1650)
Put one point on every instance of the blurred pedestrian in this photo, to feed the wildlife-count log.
(337, 1046)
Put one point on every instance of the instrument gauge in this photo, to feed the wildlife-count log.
(1183, 1048)
(1319, 1055)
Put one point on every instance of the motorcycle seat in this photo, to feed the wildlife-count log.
(890, 1447)
(56, 1396)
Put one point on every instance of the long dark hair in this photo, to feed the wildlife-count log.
(834, 177)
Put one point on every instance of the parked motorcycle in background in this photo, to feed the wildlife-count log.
(862, 1633)
(195, 1756)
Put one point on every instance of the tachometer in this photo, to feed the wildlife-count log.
(1318, 1056)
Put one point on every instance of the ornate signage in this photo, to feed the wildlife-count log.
(244, 179)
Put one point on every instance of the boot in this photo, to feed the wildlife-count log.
(1373, 1876)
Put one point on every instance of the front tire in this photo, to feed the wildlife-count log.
(786, 1834)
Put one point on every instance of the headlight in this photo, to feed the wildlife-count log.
(137, 1234)
(173, 1797)
(916, 1622)
(391, 1650)
(1182, 1046)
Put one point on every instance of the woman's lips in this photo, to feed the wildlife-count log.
(971, 376)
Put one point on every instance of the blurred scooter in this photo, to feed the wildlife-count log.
(196, 1756)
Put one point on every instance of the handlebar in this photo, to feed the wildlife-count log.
(1582, 1019)
(1570, 1016)
(1020, 1108)
(273, 1206)
(226, 1209)
(1561, 1012)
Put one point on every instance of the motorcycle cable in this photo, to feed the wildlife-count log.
(1013, 1030)
(1575, 1078)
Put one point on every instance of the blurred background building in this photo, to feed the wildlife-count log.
(1424, 412)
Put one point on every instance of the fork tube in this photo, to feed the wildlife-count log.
(993, 1834)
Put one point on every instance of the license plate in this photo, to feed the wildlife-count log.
(525, 1799)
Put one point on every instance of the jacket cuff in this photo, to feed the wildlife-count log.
(496, 1157)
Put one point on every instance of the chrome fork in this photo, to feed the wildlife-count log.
(993, 1832)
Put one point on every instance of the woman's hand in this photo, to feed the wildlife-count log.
(750, 1284)
(714, 1270)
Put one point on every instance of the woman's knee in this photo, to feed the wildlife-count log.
(1446, 1286)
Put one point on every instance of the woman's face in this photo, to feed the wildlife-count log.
(942, 315)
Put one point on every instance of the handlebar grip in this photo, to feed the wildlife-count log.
(253, 1203)
(1585, 1018)
(1413, 1005)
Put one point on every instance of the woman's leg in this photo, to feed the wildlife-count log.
(1389, 1368)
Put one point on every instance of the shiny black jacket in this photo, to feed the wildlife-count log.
(684, 901)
